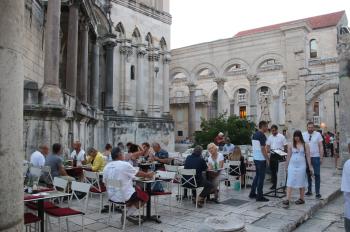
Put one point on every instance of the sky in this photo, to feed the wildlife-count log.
(198, 21)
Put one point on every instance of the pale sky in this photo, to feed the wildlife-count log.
(197, 21)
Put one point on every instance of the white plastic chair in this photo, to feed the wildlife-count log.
(47, 172)
(169, 178)
(93, 179)
(117, 185)
(188, 181)
(233, 171)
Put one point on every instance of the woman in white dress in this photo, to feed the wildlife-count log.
(215, 164)
(298, 155)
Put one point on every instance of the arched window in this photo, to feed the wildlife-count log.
(149, 39)
(163, 44)
(205, 73)
(313, 48)
(120, 30)
(136, 36)
(132, 72)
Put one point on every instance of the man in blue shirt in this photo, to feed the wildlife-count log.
(160, 155)
(261, 160)
(229, 147)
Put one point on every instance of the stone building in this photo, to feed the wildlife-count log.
(286, 74)
(96, 71)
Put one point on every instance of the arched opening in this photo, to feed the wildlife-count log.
(313, 48)
(163, 45)
(136, 36)
(149, 39)
(120, 30)
(213, 105)
(205, 73)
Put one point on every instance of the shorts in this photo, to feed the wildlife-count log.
(133, 199)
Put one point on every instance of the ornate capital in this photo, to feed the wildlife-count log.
(141, 50)
(167, 58)
(220, 81)
(109, 41)
(191, 86)
(84, 24)
(153, 55)
(252, 77)
(125, 49)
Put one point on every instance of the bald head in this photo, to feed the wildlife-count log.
(156, 147)
(77, 146)
(44, 149)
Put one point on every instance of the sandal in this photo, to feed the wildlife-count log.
(300, 202)
(285, 202)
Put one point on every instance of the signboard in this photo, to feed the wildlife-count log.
(281, 174)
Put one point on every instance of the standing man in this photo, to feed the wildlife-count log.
(78, 153)
(275, 141)
(261, 159)
(37, 159)
(229, 147)
(220, 140)
(315, 140)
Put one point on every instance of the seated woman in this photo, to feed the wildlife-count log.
(96, 159)
(237, 156)
(215, 163)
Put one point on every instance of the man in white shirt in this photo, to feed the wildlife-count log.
(78, 153)
(275, 141)
(228, 147)
(37, 159)
(314, 139)
(124, 172)
(345, 188)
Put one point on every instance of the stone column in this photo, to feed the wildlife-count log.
(343, 48)
(72, 49)
(220, 81)
(84, 61)
(253, 82)
(109, 45)
(51, 93)
(95, 74)
(276, 109)
(166, 62)
(191, 109)
(141, 82)
(11, 117)
(124, 104)
(153, 58)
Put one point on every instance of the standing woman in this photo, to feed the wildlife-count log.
(215, 163)
(297, 160)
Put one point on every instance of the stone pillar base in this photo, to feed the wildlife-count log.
(141, 113)
(51, 95)
(154, 111)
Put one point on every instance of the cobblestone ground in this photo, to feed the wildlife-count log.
(183, 216)
(328, 219)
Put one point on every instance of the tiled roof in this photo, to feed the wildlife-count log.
(320, 21)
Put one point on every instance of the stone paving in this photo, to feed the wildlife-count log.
(183, 216)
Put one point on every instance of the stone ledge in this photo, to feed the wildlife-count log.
(311, 211)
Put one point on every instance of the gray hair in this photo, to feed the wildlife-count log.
(198, 149)
(91, 150)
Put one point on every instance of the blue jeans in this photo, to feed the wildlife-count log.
(258, 182)
(316, 164)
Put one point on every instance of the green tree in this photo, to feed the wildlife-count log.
(238, 130)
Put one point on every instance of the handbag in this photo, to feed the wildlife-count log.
(143, 196)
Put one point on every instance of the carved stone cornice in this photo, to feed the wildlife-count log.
(109, 40)
(328, 60)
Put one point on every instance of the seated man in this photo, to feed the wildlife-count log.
(124, 172)
(96, 160)
(195, 161)
(160, 155)
(228, 147)
(37, 159)
(55, 162)
(78, 154)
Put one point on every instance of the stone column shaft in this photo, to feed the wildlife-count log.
(276, 109)
(221, 94)
(72, 49)
(253, 82)
(141, 81)
(124, 104)
(96, 75)
(191, 109)
(166, 107)
(11, 116)
(84, 56)
(109, 47)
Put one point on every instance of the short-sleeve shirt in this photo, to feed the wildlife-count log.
(228, 148)
(162, 154)
(218, 159)
(80, 156)
(123, 172)
(195, 161)
(313, 140)
(37, 159)
(258, 140)
(276, 142)
(55, 162)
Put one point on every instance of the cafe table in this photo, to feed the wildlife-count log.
(148, 187)
(40, 198)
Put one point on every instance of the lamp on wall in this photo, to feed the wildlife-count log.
(156, 68)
